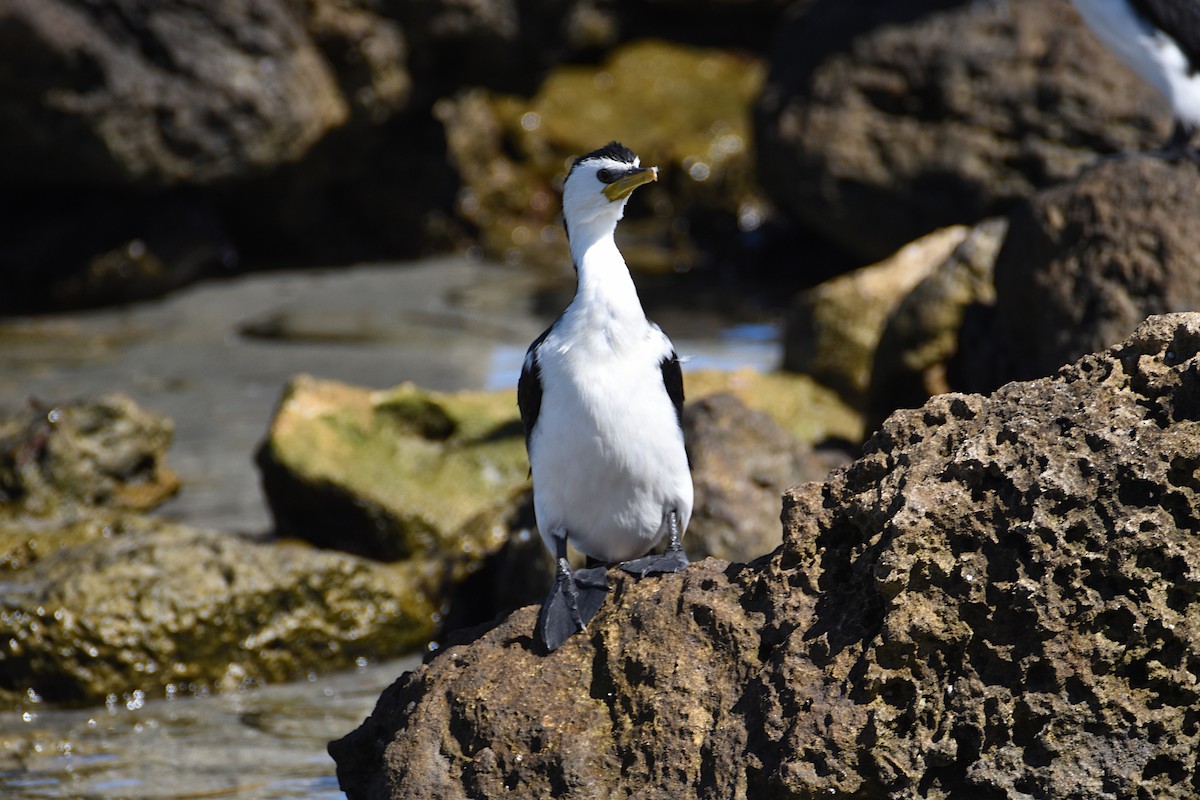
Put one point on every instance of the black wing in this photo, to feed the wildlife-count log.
(529, 387)
(1179, 19)
(673, 381)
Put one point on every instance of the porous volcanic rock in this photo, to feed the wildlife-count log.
(1083, 263)
(880, 122)
(999, 599)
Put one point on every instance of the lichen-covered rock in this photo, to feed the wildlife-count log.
(880, 122)
(104, 451)
(1083, 263)
(916, 355)
(999, 599)
(390, 474)
(175, 611)
(833, 329)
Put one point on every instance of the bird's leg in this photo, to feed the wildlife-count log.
(673, 560)
(1178, 146)
(573, 600)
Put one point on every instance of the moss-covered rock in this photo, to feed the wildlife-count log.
(390, 474)
(683, 109)
(177, 610)
(105, 450)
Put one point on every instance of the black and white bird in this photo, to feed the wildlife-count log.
(1160, 41)
(601, 397)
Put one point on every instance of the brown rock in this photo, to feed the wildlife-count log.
(833, 329)
(742, 461)
(1000, 598)
(883, 121)
(915, 357)
(105, 451)
(1083, 263)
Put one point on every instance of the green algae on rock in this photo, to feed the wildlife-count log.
(176, 611)
(684, 109)
(105, 450)
(390, 474)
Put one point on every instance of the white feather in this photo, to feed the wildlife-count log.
(1152, 54)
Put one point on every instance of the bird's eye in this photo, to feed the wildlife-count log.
(605, 175)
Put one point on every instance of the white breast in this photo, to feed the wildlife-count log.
(607, 453)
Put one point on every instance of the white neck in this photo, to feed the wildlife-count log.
(604, 281)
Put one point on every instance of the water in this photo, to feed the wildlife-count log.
(263, 744)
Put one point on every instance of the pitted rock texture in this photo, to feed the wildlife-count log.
(998, 600)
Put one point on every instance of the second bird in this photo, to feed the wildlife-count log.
(601, 397)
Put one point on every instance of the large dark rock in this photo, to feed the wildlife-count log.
(1083, 263)
(882, 121)
(998, 599)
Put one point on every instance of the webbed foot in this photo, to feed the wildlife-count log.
(573, 601)
(672, 560)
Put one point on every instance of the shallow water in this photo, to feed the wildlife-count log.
(263, 744)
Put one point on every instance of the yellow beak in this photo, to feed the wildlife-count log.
(623, 186)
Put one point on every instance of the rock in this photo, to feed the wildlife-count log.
(106, 451)
(390, 474)
(742, 461)
(154, 94)
(812, 413)
(880, 122)
(1083, 263)
(177, 611)
(1001, 594)
(916, 354)
(832, 329)
(513, 153)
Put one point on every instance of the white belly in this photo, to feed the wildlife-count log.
(607, 454)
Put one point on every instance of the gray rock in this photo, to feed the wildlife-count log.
(153, 94)
(998, 598)
(883, 121)
(742, 461)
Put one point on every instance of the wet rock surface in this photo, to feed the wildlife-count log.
(1083, 264)
(197, 611)
(999, 598)
(880, 122)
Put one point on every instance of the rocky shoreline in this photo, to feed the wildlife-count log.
(999, 597)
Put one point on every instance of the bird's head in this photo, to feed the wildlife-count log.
(600, 183)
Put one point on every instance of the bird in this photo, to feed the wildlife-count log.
(601, 399)
(1159, 40)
